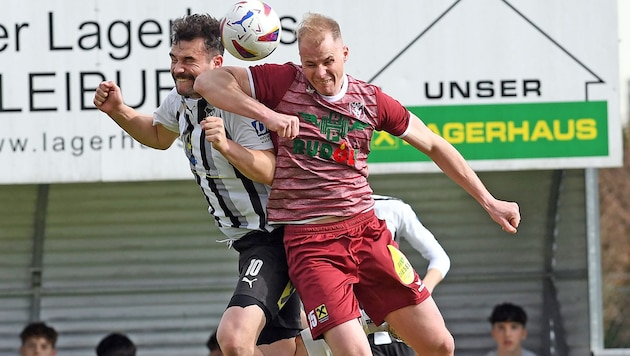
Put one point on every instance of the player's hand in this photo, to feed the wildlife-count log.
(108, 97)
(215, 132)
(506, 214)
(285, 125)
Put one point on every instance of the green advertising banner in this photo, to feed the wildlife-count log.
(507, 131)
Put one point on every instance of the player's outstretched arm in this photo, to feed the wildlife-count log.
(451, 162)
(228, 88)
(108, 99)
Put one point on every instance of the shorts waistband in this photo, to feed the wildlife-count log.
(352, 222)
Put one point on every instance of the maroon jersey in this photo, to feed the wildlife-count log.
(323, 171)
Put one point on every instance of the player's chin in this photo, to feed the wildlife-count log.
(328, 90)
(185, 88)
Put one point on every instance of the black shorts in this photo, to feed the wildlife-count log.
(264, 281)
(395, 348)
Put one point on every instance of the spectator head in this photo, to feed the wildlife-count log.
(508, 328)
(116, 344)
(508, 312)
(213, 345)
(38, 339)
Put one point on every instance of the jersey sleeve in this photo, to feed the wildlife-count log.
(422, 240)
(247, 132)
(166, 113)
(271, 81)
(403, 222)
(394, 117)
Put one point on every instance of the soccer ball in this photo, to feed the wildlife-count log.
(250, 30)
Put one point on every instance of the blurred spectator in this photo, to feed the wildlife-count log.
(509, 330)
(116, 344)
(38, 339)
(213, 345)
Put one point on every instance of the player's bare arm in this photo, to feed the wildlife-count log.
(432, 279)
(451, 162)
(108, 99)
(228, 88)
(257, 165)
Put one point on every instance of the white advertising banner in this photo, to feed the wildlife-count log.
(519, 84)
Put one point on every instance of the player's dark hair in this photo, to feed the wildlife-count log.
(190, 27)
(508, 312)
(116, 344)
(39, 329)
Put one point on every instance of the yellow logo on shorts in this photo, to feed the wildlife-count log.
(286, 294)
(401, 265)
(322, 313)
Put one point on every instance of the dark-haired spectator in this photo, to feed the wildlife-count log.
(213, 345)
(38, 339)
(116, 344)
(509, 330)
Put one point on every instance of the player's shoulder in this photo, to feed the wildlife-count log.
(173, 101)
(384, 198)
(173, 97)
(275, 68)
(392, 206)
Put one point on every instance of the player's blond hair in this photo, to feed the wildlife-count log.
(316, 26)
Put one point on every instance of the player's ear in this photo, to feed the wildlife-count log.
(345, 53)
(217, 60)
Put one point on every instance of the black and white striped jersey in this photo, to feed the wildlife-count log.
(237, 203)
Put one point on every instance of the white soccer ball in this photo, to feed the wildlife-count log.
(250, 30)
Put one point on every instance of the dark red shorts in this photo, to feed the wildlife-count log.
(336, 266)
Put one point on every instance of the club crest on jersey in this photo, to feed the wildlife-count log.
(356, 108)
(209, 110)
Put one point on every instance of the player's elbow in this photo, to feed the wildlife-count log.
(267, 180)
(158, 145)
(161, 142)
(203, 84)
(198, 86)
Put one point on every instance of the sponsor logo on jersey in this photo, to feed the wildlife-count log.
(260, 128)
(336, 128)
